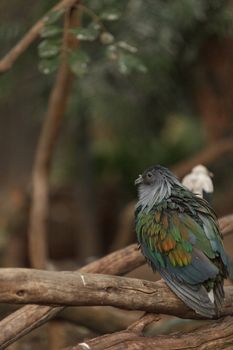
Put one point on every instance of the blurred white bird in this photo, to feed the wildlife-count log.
(199, 182)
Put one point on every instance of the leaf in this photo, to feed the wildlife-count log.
(49, 48)
(89, 33)
(112, 53)
(94, 26)
(127, 47)
(106, 38)
(50, 31)
(84, 34)
(48, 66)
(110, 15)
(54, 16)
(128, 63)
(78, 62)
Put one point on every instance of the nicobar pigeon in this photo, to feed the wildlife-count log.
(179, 235)
(199, 182)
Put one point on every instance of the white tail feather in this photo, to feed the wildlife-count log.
(211, 296)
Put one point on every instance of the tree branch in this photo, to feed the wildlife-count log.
(99, 319)
(226, 225)
(206, 156)
(216, 336)
(23, 286)
(29, 317)
(9, 59)
(47, 141)
(22, 321)
(143, 322)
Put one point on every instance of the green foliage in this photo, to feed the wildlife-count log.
(48, 66)
(135, 119)
(110, 15)
(79, 61)
(90, 33)
(50, 31)
(128, 63)
(92, 28)
(54, 17)
(106, 38)
(49, 48)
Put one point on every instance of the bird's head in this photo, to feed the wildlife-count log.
(154, 185)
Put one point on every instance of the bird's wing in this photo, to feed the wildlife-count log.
(209, 224)
(178, 247)
(177, 242)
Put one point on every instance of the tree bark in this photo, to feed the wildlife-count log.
(24, 320)
(23, 286)
(216, 336)
(99, 319)
(29, 317)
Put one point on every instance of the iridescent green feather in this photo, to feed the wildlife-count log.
(202, 241)
(164, 238)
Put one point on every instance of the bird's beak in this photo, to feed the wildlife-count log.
(210, 174)
(139, 180)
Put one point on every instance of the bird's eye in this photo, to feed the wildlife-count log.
(149, 175)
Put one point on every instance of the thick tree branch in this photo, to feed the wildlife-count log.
(143, 322)
(29, 317)
(23, 286)
(226, 225)
(7, 61)
(216, 336)
(117, 263)
(99, 319)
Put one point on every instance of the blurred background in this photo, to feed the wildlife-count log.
(164, 105)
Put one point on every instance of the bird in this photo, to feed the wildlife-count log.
(199, 181)
(179, 236)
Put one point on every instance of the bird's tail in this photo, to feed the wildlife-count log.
(194, 296)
